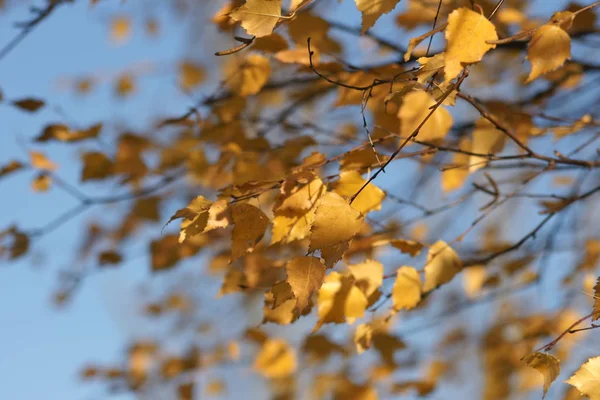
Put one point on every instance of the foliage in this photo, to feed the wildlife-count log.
(379, 205)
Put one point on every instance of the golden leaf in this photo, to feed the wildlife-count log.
(41, 183)
(586, 379)
(487, 139)
(415, 107)
(96, 165)
(120, 29)
(466, 34)
(249, 226)
(11, 167)
(442, 264)
(335, 225)
(305, 276)
(549, 48)
(474, 279)
(190, 75)
(258, 17)
(340, 300)
(545, 364)
(455, 177)
(407, 246)
(276, 359)
(195, 218)
(297, 56)
(371, 10)
(248, 77)
(29, 104)
(40, 161)
(406, 293)
(368, 276)
(368, 200)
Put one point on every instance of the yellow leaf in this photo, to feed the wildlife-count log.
(258, 17)
(549, 48)
(340, 300)
(371, 10)
(10, 167)
(407, 246)
(413, 111)
(40, 161)
(96, 165)
(62, 133)
(214, 388)
(406, 293)
(429, 67)
(276, 359)
(545, 364)
(368, 200)
(120, 29)
(587, 379)
(124, 86)
(305, 276)
(466, 34)
(368, 276)
(195, 217)
(442, 264)
(297, 56)
(473, 280)
(455, 177)
(487, 139)
(29, 104)
(249, 226)
(248, 77)
(336, 223)
(190, 75)
(41, 183)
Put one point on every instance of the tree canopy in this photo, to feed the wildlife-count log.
(354, 199)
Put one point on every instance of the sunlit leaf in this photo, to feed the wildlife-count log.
(442, 265)
(466, 34)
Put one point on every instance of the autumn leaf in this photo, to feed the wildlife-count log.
(335, 225)
(276, 359)
(248, 77)
(41, 183)
(442, 264)
(587, 379)
(407, 246)
(195, 218)
(191, 75)
(29, 104)
(416, 106)
(120, 29)
(10, 167)
(96, 166)
(371, 10)
(466, 37)
(368, 276)
(258, 17)
(455, 177)
(369, 199)
(545, 364)
(487, 139)
(40, 161)
(305, 276)
(549, 48)
(249, 226)
(340, 300)
(406, 293)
